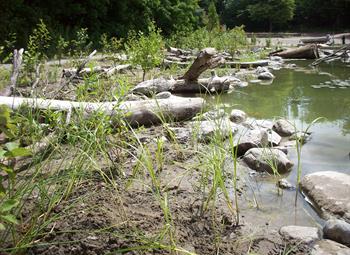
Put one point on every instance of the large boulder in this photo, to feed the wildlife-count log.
(337, 230)
(330, 192)
(267, 160)
(300, 234)
(329, 247)
(284, 127)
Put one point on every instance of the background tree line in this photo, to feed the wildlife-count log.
(116, 18)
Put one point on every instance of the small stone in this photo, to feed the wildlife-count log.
(266, 76)
(255, 81)
(277, 59)
(261, 69)
(163, 95)
(337, 230)
(181, 134)
(284, 184)
(302, 137)
(213, 115)
(300, 234)
(208, 129)
(238, 116)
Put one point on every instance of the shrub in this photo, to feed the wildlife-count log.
(146, 50)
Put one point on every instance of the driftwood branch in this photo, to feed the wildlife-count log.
(331, 56)
(17, 62)
(78, 70)
(108, 71)
(206, 59)
(145, 112)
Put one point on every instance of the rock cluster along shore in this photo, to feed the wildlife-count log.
(329, 193)
(262, 145)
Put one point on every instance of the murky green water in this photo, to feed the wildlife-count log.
(292, 96)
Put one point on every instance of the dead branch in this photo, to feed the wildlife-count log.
(17, 62)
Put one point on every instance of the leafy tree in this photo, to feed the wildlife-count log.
(273, 11)
(38, 44)
(213, 17)
(146, 49)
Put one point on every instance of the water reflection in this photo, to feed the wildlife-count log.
(292, 96)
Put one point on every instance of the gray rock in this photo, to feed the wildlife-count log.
(265, 124)
(337, 230)
(267, 160)
(246, 139)
(329, 247)
(215, 114)
(273, 138)
(300, 234)
(134, 97)
(302, 137)
(276, 58)
(283, 127)
(330, 192)
(238, 116)
(261, 69)
(181, 134)
(284, 184)
(206, 130)
(163, 95)
(265, 76)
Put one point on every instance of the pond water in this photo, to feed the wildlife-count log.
(299, 95)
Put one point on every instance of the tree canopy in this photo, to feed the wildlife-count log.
(116, 18)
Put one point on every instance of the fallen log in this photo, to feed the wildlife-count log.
(145, 112)
(17, 62)
(108, 71)
(250, 64)
(167, 63)
(215, 84)
(189, 82)
(309, 51)
(321, 39)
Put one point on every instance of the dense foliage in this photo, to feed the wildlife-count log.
(116, 18)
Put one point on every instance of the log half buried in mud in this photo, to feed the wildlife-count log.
(309, 51)
(145, 112)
